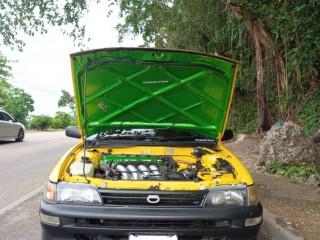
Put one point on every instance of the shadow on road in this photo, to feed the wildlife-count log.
(6, 142)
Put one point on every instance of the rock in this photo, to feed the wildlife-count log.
(316, 136)
(313, 180)
(298, 179)
(259, 168)
(287, 143)
(242, 137)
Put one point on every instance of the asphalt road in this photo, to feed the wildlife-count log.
(24, 169)
(25, 166)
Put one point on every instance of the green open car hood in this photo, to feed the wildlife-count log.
(152, 88)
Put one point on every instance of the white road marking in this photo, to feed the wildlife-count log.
(21, 200)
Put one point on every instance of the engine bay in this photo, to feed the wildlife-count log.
(200, 164)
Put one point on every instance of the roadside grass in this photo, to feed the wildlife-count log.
(293, 171)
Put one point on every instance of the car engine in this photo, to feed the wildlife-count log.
(151, 167)
(138, 167)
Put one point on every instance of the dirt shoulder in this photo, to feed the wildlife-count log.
(294, 204)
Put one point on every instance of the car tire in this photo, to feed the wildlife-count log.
(20, 135)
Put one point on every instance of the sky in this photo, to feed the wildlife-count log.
(43, 68)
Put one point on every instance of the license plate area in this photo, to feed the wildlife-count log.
(153, 237)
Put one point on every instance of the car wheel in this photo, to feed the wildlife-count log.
(20, 136)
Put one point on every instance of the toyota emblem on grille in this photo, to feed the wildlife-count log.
(153, 199)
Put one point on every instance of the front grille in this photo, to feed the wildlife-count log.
(154, 224)
(139, 198)
(100, 237)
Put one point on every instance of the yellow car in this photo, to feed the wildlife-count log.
(150, 163)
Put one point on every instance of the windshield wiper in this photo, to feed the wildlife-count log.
(133, 137)
(125, 140)
(195, 138)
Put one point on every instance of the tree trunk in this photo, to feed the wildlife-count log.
(267, 43)
(298, 70)
(281, 82)
(260, 37)
(265, 121)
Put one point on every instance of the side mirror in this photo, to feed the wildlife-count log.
(73, 131)
(228, 135)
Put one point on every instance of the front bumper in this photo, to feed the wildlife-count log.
(102, 222)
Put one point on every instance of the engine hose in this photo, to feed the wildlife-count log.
(171, 164)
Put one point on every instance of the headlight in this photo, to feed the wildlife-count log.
(227, 196)
(49, 192)
(77, 193)
(253, 193)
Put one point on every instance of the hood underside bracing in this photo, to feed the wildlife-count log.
(152, 88)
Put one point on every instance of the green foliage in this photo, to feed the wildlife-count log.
(15, 101)
(293, 171)
(243, 115)
(31, 16)
(40, 122)
(66, 100)
(309, 114)
(195, 25)
(200, 25)
(146, 18)
(294, 26)
(62, 120)
(5, 68)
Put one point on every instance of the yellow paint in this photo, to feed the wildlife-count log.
(182, 155)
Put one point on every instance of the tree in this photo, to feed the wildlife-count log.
(185, 24)
(66, 100)
(33, 16)
(280, 39)
(61, 120)
(289, 30)
(258, 35)
(276, 42)
(40, 122)
(5, 68)
(200, 26)
(13, 99)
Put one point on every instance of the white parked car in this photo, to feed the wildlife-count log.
(10, 128)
